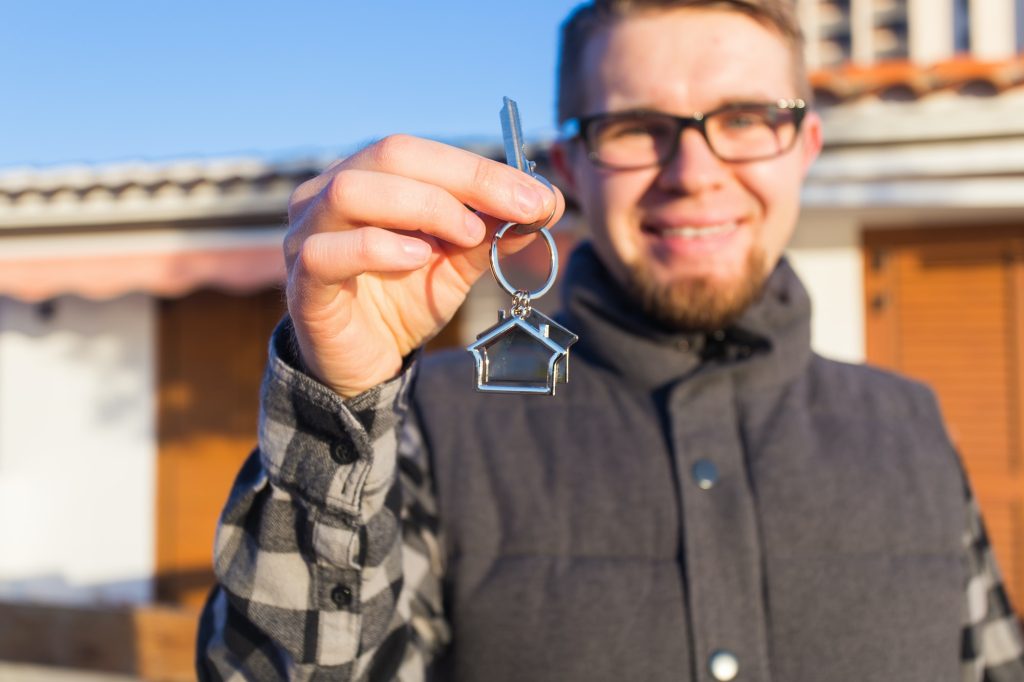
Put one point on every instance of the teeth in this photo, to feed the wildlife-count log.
(691, 232)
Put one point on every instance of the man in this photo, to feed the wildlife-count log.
(706, 500)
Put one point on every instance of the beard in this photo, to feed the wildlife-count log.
(697, 304)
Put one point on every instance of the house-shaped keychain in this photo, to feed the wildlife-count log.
(526, 352)
(522, 355)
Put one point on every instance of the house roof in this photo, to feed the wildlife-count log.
(164, 228)
(903, 80)
(84, 196)
(77, 197)
(921, 139)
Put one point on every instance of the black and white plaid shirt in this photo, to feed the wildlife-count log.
(330, 565)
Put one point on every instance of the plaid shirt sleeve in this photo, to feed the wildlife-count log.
(992, 648)
(327, 553)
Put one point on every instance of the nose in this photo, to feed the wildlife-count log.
(694, 168)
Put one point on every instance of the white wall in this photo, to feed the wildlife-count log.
(77, 450)
(826, 253)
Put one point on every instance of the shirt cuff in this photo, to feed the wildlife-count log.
(314, 443)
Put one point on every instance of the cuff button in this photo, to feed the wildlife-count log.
(341, 595)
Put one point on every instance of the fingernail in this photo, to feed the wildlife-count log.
(530, 199)
(415, 249)
(475, 227)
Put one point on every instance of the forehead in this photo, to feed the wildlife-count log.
(685, 60)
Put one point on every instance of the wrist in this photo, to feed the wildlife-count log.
(290, 351)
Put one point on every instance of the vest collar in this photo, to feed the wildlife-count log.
(773, 335)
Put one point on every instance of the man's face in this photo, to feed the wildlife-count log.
(695, 239)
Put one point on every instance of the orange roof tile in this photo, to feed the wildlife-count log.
(851, 82)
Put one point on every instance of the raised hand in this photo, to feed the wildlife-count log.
(383, 247)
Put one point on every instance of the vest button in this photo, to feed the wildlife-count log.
(705, 474)
(723, 666)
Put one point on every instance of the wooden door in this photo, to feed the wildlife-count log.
(946, 306)
(211, 358)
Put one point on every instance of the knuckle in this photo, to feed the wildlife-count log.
(367, 246)
(433, 207)
(307, 257)
(295, 288)
(292, 244)
(307, 192)
(486, 177)
(296, 197)
(302, 190)
(300, 197)
(387, 151)
(332, 168)
(341, 188)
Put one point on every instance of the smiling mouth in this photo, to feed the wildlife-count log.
(694, 232)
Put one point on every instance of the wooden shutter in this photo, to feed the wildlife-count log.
(946, 306)
(212, 353)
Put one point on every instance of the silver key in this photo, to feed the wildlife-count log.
(515, 155)
(512, 134)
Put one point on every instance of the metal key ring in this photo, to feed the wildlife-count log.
(500, 277)
(533, 227)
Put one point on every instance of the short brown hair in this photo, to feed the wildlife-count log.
(587, 19)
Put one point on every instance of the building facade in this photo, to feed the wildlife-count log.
(913, 221)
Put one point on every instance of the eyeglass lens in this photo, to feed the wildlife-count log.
(636, 140)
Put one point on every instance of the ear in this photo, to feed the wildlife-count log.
(562, 162)
(813, 139)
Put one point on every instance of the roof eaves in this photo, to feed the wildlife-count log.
(906, 80)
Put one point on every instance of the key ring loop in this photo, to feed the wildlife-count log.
(500, 277)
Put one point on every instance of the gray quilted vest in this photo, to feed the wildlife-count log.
(686, 508)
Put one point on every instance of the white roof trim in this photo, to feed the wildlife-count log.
(117, 194)
(860, 195)
(143, 173)
(962, 159)
(73, 197)
(944, 116)
(138, 241)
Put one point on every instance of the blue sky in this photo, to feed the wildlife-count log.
(107, 80)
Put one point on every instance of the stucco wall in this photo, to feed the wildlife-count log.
(77, 450)
(826, 253)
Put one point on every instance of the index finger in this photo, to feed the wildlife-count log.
(489, 186)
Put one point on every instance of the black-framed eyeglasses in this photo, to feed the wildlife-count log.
(628, 140)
